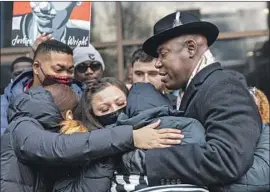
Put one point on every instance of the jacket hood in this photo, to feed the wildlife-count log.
(38, 104)
(17, 86)
(148, 116)
(143, 96)
(144, 104)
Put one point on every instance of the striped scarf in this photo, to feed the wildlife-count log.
(126, 183)
(139, 183)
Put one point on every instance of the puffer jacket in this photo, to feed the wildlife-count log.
(142, 109)
(257, 178)
(31, 150)
(95, 176)
(191, 128)
(17, 87)
(146, 105)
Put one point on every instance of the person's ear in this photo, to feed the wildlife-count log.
(36, 66)
(69, 115)
(192, 48)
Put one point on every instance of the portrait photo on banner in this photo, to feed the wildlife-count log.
(68, 22)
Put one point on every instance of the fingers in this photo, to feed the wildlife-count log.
(170, 133)
(153, 125)
(169, 130)
(40, 39)
(169, 141)
(171, 136)
(163, 143)
(43, 37)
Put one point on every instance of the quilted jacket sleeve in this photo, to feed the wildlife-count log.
(257, 178)
(133, 162)
(95, 177)
(33, 144)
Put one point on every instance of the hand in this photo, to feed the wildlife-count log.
(149, 138)
(40, 39)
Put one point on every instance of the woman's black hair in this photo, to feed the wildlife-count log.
(84, 110)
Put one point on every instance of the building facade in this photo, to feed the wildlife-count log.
(118, 28)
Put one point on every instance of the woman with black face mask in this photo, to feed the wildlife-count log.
(105, 104)
(102, 103)
(99, 108)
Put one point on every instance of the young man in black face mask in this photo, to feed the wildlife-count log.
(53, 63)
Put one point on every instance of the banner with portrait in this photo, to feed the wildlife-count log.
(68, 22)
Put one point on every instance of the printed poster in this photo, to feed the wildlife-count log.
(68, 22)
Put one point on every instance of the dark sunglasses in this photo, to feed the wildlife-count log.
(94, 66)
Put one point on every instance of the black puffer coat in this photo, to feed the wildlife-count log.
(146, 105)
(143, 96)
(30, 150)
(96, 176)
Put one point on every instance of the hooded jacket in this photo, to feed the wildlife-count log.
(146, 105)
(17, 87)
(97, 176)
(31, 150)
(142, 109)
(257, 178)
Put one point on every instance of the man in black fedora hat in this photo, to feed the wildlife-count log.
(214, 97)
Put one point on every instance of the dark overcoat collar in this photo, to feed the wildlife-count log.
(196, 82)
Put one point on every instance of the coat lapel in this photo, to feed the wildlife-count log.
(195, 84)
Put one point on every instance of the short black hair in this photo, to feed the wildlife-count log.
(53, 46)
(140, 55)
(21, 59)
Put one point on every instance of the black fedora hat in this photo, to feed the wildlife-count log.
(177, 24)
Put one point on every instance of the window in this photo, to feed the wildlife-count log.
(140, 17)
(109, 56)
(118, 28)
(103, 26)
(6, 22)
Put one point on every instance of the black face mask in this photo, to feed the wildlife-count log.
(109, 118)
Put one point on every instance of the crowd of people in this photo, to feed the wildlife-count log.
(182, 123)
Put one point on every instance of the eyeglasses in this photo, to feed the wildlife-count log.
(94, 66)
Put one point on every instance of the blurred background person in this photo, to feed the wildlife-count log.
(19, 65)
(89, 65)
(144, 71)
(129, 74)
